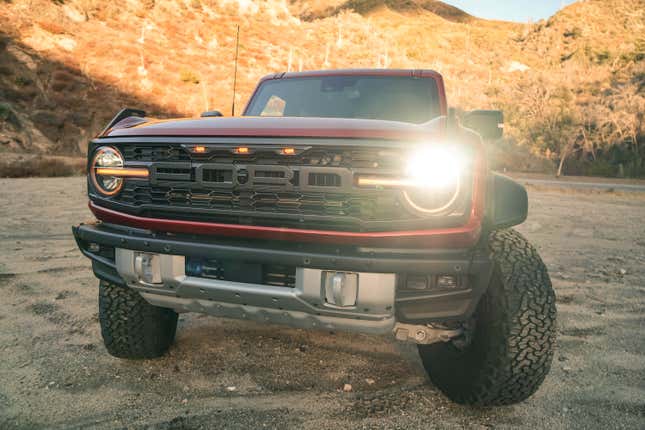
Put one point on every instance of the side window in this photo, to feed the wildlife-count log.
(274, 107)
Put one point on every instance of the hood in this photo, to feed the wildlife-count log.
(276, 127)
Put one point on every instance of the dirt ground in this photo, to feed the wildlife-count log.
(55, 372)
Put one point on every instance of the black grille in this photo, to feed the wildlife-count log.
(324, 180)
(154, 153)
(217, 175)
(332, 157)
(236, 271)
(366, 207)
(312, 189)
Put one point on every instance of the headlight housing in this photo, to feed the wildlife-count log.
(432, 180)
(435, 175)
(104, 170)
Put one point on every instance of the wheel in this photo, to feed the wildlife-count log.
(513, 332)
(130, 326)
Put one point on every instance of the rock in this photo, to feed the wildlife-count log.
(185, 401)
(74, 14)
(622, 272)
(347, 388)
(67, 43)
(516, 66)
(369, 381)
(302, 348)
(231, 388)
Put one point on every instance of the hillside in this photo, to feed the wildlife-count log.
(572, 84)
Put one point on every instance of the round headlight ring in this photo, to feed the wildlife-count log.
(437, 210)
(106, 156)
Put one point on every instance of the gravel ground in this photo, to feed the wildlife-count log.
(55, 372)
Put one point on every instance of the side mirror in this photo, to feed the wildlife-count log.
(488, 123)
(211, 113)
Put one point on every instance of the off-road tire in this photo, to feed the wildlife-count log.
(513, 340)
(131, 327)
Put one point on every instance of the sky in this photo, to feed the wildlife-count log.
(511, 10)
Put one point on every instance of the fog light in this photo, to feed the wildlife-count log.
(93, 247)
(147, 267)
(340, 288)
(446, 281)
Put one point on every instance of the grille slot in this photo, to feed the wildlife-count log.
(220, 176)
(172, 172)
(154, 153)
(269, 174)
(324, 179)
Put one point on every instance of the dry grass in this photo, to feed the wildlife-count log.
(41, 166)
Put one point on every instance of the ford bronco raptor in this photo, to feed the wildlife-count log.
(340, 200)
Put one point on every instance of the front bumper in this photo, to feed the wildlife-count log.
(382, 299)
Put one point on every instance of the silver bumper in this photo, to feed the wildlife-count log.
(304, 306)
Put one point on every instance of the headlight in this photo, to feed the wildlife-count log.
(435, 177)
(105, 170)
(432, 179)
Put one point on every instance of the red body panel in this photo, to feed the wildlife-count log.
(458, 237)
(278, 127)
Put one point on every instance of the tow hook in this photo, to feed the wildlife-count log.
(424, 334)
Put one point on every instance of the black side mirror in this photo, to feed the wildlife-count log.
(488, 123)
(211, 113)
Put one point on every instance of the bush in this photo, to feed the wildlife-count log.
(188, 76)
(41, 166)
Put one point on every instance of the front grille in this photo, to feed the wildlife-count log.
(236, 271)
(332, 157)
(313, 189)
(368, 207)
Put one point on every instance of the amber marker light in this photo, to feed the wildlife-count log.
(288, 151)
(199, 149)
(242, 150)
(123, 172)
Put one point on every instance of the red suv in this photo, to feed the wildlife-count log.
(340, 200)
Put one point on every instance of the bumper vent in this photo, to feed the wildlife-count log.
(236, 271)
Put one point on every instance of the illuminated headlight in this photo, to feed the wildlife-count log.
(107, 171)
(106, 158)
(432, 179)
(435, 178)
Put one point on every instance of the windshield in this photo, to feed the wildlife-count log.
(394, 98)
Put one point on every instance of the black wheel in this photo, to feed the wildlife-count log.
(513, 334)
(131, 327)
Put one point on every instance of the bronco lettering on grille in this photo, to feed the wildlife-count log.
(254, 176)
